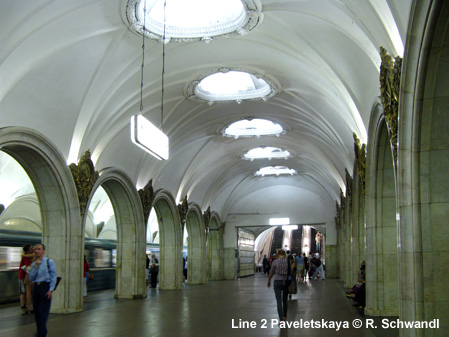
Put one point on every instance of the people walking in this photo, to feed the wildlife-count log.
(279, 272)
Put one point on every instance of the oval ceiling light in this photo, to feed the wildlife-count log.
(193, 20)
(253, 127)
(275, 170)
(231, 85)
(266, 152)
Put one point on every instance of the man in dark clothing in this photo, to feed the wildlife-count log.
(154, 270)
(265, 264)
(43, 275)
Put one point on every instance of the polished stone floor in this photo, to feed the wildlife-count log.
(215, 309)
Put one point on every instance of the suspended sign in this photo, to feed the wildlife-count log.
(148, 137)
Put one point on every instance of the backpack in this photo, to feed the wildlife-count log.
(58, 278)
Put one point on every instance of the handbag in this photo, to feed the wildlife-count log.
(292, 288)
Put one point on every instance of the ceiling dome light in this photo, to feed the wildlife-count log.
(252, 127)
(193, 20)
(231, 85)
(266, 152)
(275, 170)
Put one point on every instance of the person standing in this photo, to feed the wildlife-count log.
(154, 270)
(24, 282)
(299, 267)
(186, 265)
(279, 271)
(309, 270)
(318, 238)
(306, 266)
(147, 269)
(87, 275)
(43, 276)
(266, 265)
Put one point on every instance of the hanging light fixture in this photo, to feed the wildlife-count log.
(143, 133)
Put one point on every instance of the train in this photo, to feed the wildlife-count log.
(101, 255)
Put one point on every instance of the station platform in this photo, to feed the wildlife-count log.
(219, 308)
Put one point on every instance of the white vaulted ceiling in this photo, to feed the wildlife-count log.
(71, 71)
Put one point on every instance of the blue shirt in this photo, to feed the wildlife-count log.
(299, 260)
(45, 272)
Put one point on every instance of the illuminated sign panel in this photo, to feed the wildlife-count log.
(279, 221)
(148, 137)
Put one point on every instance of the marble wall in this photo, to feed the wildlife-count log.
(230, 263)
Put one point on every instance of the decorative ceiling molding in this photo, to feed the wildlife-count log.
(190, 91)
(252, 17)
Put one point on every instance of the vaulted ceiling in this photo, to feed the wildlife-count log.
(72, 69)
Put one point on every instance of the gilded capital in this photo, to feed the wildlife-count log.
(349, 188)
(183, 207)
(390, 84)
(146, 198)
(84, 176)
(206, 216)
(360, 157)
(342, 205)
(338, 212)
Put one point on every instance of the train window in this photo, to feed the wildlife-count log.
(10, 257)
(114, 257)
(102, 258)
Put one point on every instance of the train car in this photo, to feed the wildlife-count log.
(101, 255)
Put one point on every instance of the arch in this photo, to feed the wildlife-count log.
(26, 210)
(215, 248)
(170, 241)
(423, 199)
(196, 250)
(381, 228)
(131, 243)
(59, 206)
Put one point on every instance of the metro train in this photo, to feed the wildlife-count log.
(101, 257)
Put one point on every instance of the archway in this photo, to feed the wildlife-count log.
(381, 228)
(170, 241)
(196, 250)
(215, 249)
(130, 265)
(57, 195)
